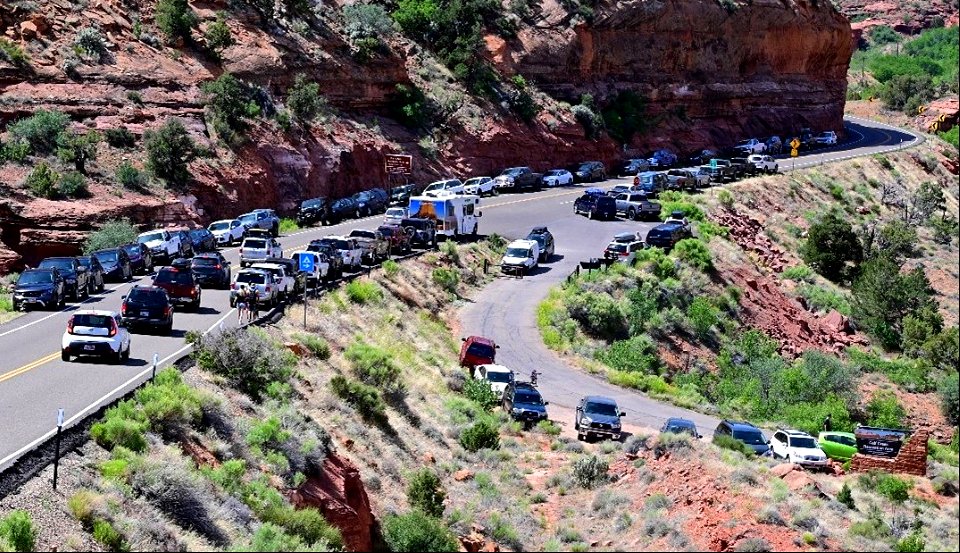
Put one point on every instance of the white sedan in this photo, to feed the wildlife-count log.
(479, 186)
(557, 177)
(93, 333)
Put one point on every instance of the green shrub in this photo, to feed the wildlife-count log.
(111, 235)
(42, 181)
(217, 36)
(703, 315)
(304, 100)
(363, 291)
(694, 252)
(548, 428)
(885, 411)
(913, 543)
(591, 122)
(169, 151)
(91, 42)
(367, 26)
(105, 534)
(625, 116)
(590, 471)
(170, 406)
(636, 354)
(483, 434)
(365, 399)
(374, 366)
(950, 399)
(13, 53)
(17, 529)
(391, 268)
(872, 529)
(15, 151)
(480, 391)
(249, 360)
(231, 104)
(808, 415)
(307, 524)
(729, 442)
(175, 19)
(288, 225)
(822, 299)
(883, 296)
(912, 374)
(599, 314)
(411, 107)
(887, 485)
(123, 426)
(417, 532)
(318, 347)
(832, 248)
(81, 506)
(73, 185)
(799, 273)
(40, 130)
(725, 198)
(447, 279)
(270, 537)
(425, 492)
(129, 176)
(120, 137)
(846, 497)
(895, 239)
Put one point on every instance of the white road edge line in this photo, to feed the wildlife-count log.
(95, 405)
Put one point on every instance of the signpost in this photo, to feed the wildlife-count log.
(794, 150)
(398, 164)
(795, 143)
(306, 266)
(713, 163)
(56, 454)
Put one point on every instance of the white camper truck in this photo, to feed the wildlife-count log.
(455, 214)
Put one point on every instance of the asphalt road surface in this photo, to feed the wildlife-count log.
(34, 382)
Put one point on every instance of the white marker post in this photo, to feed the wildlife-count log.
(156, 361)
(56, 455)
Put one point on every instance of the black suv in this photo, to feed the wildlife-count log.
(423, 232)
(332, 256)
(596, 206)
(139, 258)
(116, 263)
(667, 235)
(74, 275)
(313, 210)
(590, 171)
(371, 201)
(746, 433)
(676, 425)
(344, 208)
(96, 272)
(523, 402)
(545, 239)
(598, 416)
(631, 167)
(202, 240)
(400, 195)
(42, 287)
(147, 306)
(211, 269)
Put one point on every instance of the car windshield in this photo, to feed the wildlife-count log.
(85, 261)
(540, 238)
(249, 218)
(678, 427)
(148, 297)
(396, 212)
(619, 248)
(205, 261)
(255, 244)
(804, 443)
(554, 173)
(607, 409)
(500, 377)
(173, 277)
(311, 203)
(341, 203)
(63, 264)
(150, 237)
(39, 277)
(513, 172)
(341, 244)
(93, 321)
(749, 437)
(251, 278)
(198, 233)
(845, 440)
(220, 225)
(585, 167)
(106, 257)
(363, 234)
(131, 249)
(518, 252)
(529, 398)
(480, 350)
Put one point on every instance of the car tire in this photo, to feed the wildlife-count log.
(116, 358)
(126, 354)
(64, 356)
(168, 330)
(632, 214)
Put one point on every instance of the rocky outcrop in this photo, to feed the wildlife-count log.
(338, 493)
(903, 17)
(709, 73)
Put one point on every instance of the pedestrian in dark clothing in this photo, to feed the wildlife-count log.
(827, 425)
(254, 305)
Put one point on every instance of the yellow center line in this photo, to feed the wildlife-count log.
(29, 367)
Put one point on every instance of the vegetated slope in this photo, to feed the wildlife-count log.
(373, 405)
(736, 321)
(500, 95)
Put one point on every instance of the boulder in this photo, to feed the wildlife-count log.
(28, 30)
(462, 475)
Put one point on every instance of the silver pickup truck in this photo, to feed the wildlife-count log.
(636, 206)
(375, 246)
(258, 249)
(349, 250)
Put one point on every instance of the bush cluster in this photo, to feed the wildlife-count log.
(175, 19)
(111, 235)
(480, 391)
(482, 434)
(17, 530)
(425, 492)
(169, 152)
(248, 359)
(374, 366)
(304, 100)
(416, 531)
(365, 399)
(590, 471)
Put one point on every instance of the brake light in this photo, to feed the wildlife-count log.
(123, 309)
(218, 267)
(70, 326)
(193, 291)
(167, 310)
(113, 329)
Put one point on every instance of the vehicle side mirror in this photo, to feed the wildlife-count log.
(123, 297)
(497, 347)
(623, 413)
(463, 339)
(479, 214)
(546, 403)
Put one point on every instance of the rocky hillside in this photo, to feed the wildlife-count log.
(696, 79)
(904, 17)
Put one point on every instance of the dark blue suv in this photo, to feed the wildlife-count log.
(523, 402)
(596, 207)
(746, 433)
(598, 416)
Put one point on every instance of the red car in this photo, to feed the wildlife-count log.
(477, 350)
(398, 237)
(180, 286)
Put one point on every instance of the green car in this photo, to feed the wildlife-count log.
(839, 446)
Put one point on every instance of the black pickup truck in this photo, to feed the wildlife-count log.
(519, 178)
(744, 167)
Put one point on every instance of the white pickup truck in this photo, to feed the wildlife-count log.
(321, 267)
(285, 283)
(349, 250)
(161, 243)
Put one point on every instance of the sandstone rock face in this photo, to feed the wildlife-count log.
(708, 73)
(339, 494)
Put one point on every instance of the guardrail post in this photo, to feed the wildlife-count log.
(576, 271)
(56, 454)
(486, 265)
(156, 361)
(304, 305)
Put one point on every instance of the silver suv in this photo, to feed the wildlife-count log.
(258, 249)
(265, 219)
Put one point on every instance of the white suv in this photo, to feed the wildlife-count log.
(763, 163)
(95, 334)
(228, 231)
(479, 186)
(798, 447)
(497, 375)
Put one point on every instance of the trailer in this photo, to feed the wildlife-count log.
(455, 214)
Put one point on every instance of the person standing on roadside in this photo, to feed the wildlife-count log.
(253, 311)
(242, 304)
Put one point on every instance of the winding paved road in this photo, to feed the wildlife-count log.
(34, 382)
